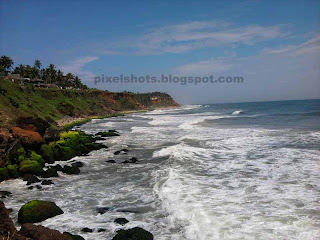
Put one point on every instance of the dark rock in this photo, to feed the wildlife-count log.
(30, 187)
(4, 194)
(110, 133)
(77, 164)
(51, 135)
(111, 161)
(101, 230)
(102, 210)
(38, 187)
(121, 221)
(29, 178)
(97, 138)
(58, 167)
(42, 233)
(71, 170)
(47, 182)
(38, 211)
(136, 233)
(74, 237)
(122, 151)
(131, 160)
(51, 172)
(86, 230)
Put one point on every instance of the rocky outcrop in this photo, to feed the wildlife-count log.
(35, 124)
(38, 211)
(7, 228)
(42, 233)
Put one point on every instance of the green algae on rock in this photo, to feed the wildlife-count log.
(38, 211)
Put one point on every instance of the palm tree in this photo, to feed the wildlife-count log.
(5, 64)
(37, 64)
(21, 69)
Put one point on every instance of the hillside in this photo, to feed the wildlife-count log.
(55, 104)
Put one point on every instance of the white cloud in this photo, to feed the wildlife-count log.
(76, 67)
(289, 72)
(193, 35)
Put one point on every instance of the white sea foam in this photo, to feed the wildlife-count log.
(237, 112)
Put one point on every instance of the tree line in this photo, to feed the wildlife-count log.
(49, 74)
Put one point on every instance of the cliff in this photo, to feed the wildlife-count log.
(55, 104)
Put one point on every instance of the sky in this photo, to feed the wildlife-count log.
(273, 45)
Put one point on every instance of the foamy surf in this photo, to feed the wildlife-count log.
(202, 174)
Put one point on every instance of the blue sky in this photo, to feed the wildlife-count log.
(274, 45)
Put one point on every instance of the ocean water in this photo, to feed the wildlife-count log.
(225, 171)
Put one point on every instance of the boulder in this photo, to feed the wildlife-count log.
(74, 237)
(77, 164)
(131, 160)
(30, 179)
(58, 167)
(101, 230)
(38, 211)
(110, 133)
(121, 221)
(30, 167)
(87, 230)
(111, 161)
(136, 233)
(47, 182)
(70, 170)
(50, 172)
(122, 151)
(102, 210)
(42, 233)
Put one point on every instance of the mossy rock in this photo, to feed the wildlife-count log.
(110, 133)
(31, 167)
(4, 174)
(38, 211)
(36, 157)
(136, 233)
(47, 153)
(21, 155)
(74, 237)
(13, 170)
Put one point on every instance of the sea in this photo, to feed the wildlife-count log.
(216, 171)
